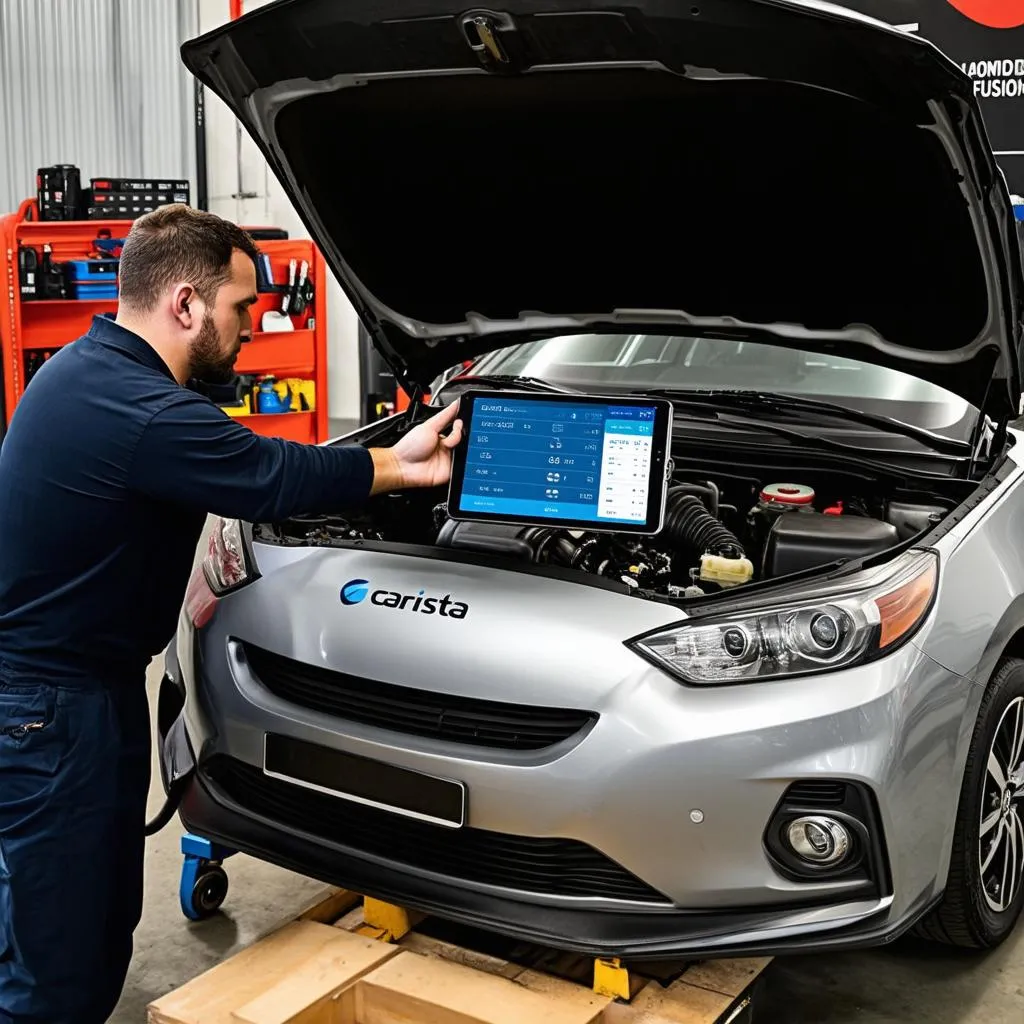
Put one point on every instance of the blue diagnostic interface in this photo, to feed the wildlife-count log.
(559, 460)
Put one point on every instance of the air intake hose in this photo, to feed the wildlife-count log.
(689, 524)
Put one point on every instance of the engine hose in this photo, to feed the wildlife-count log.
(166, 812)
(709, 488)
(573, 553)
(689, 524)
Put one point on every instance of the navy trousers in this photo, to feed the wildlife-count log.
(74, 777)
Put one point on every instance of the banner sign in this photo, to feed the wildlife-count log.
(986, 38)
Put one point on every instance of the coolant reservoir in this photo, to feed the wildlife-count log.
(793, 495)
(726, 572)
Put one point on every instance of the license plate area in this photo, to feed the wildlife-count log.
(365, 780)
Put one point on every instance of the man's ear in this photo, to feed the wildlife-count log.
(185, 306)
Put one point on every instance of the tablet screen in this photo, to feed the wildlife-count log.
(585, 462)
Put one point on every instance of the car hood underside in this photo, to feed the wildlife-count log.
(749, 168)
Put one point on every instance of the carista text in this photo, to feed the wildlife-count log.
(443, 606)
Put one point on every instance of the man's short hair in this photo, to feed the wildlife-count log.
(177, 243)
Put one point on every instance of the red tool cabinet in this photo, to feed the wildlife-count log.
(29, 330)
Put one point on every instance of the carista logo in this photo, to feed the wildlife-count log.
(992, 13)
(356, 591)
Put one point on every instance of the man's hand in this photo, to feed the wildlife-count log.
(423, 458)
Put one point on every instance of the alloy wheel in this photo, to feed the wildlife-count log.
(1001, 838)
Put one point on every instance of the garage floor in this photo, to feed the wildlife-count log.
(909, 983)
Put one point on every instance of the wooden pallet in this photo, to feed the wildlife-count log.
(345, 960)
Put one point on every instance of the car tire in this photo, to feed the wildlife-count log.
(985, 889)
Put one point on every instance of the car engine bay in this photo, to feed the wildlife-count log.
(719, 531)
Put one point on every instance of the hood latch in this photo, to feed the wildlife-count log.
(483, 31)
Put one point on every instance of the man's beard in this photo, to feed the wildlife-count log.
(206, 360)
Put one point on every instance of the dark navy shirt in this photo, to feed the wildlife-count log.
(106, 476)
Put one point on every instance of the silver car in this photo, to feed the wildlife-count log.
(787, 220)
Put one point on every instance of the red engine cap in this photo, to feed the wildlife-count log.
(788, 494)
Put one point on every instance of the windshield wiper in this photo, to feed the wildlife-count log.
(504, 380)
(759, 401)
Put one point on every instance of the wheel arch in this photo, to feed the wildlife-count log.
(1005, 641)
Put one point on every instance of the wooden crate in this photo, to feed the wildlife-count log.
(338, 963)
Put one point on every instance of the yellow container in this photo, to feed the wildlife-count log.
(303, 393)
(245, 409)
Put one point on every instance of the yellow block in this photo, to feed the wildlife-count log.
(611, 979)
(393, 921)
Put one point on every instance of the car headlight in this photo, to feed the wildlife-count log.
(226, 565)
(867, 616)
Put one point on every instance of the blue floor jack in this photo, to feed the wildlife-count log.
(204, 882)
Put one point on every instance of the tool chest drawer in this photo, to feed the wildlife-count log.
(280, 352)
(92, 271)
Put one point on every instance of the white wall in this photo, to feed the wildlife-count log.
(226, 149)
(97, 84)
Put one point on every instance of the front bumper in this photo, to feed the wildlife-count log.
(652, 935)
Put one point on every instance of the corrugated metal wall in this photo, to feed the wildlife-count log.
(95, 83)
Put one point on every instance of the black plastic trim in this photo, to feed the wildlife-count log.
(466, 721)
(984, 490)
(170, 702)
(651, 934)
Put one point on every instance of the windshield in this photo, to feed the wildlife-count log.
(610, 362)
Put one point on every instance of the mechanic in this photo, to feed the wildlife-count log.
(109, 469)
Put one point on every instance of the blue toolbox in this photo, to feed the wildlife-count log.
(92, 279)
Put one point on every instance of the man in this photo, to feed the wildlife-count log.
(107, 474)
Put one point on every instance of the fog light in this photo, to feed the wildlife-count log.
(818, 840)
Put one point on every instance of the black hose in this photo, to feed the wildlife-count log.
(709, 488)
(689, 524)
(166, 812)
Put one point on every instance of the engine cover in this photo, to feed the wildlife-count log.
(806, 540)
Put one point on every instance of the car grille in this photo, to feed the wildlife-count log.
(824, 793)
(482, 723)
(552, 867)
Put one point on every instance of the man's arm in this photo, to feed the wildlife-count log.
(191, 452)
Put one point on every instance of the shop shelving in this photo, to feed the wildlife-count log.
(31, 328)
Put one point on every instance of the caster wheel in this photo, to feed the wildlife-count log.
(208, 892)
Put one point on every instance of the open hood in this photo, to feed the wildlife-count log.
(758, 168)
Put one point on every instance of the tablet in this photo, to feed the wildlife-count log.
(573, 461)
